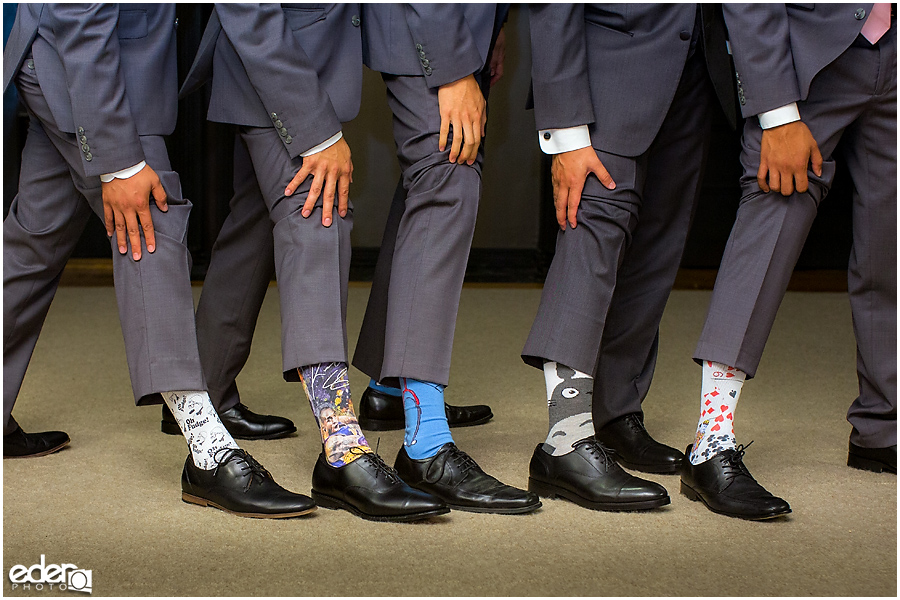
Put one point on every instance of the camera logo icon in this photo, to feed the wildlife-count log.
(80, 580)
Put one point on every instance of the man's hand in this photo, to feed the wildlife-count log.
(462, 106)
(330, 168)
(784, 157)
(126, 208)
(568, 173)
(497, 57)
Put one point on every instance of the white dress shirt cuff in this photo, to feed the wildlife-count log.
(329, 142)
(554, 141)
(124, 173)
(779, 116)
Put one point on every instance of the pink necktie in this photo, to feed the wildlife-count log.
(878, 23)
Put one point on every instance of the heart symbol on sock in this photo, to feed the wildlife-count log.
(727, 375)
(719, 419)
(729, 417)
(714, 428)
(723, 408)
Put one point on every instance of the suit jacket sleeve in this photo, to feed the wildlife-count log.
(281, 73)
(559, 69)
(88, 46)
(761, 46)
(446, 41)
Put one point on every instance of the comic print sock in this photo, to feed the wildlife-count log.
(328, 389)
(384, 389)
(204, 432)
(569, 394)
(719, 394)
(426, 420)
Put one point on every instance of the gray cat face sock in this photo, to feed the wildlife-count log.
(569, 398)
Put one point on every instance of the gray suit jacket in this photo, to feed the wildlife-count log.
(442, 42)
(615, 67)
(779, 48)
(108, 73)
(296, 67)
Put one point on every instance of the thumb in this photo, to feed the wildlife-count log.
(816, 158)
(159, 195)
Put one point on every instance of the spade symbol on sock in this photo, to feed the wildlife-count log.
(733, 393)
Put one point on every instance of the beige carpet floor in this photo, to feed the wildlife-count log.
(111, 502)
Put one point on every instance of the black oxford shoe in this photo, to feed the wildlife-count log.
(241, 423)
(19, 444)
(383, 412)
(241, 486)
(873, 459)
(633, 448)
(589, 477)
(725, 486)
(370, 489)
(455, 478)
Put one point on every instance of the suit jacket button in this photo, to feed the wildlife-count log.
(288, 140)
(860, 14)
(429, 70)
(425, 62)
(685, 35)
(274, 116)
(355, 20)
(279, 124)
(30, 64)
(85, 148)
(89, 157)
(83, 140)
(419, 47)
(283, 131)
(80, 130)
(176, 22)
(547, 135)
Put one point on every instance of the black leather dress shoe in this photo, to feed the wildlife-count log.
(19, 444)
(241, 423)
(725, 486)
(383, 412)
(589, 477)
(370, 489)
(873, 459)
(241, 486)
(633, 448)
(455, 478)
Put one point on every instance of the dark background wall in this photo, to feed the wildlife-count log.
(516, 230)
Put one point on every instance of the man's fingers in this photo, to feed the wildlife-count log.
(108, 220)
(787, 183)
(328, 198)
(801, 181)
(159, 196)
(561, 201)
(774, 181)
(573, 200)
(314, 191)
(298, 179)
(761, 177)
(134, 234)
(146, 222)
(471, 141)
(603, 175)
(456, 144)
(121, 236)
(445, 130)
(343, 194)
(816, 160)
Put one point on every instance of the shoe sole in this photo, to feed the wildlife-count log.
(696, 497)
(44, 453)
(332, 503)
(867, 464)
(660, 470)
(191, 499)
(497, 511)
(379, 425)
(546, 490)
(173, 429)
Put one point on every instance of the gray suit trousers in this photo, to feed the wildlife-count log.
(612, 274)
(851, 108)
(240, 269)
(411, 315)
(312, 263)
(44, 223)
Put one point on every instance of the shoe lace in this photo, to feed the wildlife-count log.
(223, 456)
(636, 424)
(595, 449)
(460, 459)
(373, 458)
(734, 463)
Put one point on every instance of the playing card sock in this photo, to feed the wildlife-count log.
(328, 390)
(719, 394)
(200, 424)
(426, 420)
(569, 394)
(384, 389)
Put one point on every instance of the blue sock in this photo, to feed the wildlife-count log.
(426, 421)
(390, 391)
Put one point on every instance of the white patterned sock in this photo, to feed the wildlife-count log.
(719, 393)
(569, 394)
(204, 432)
